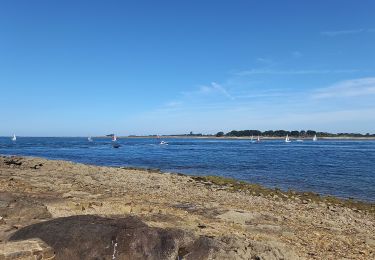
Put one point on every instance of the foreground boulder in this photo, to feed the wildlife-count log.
(94, 237)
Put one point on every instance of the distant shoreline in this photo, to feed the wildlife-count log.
(210, 137)
(242, 137)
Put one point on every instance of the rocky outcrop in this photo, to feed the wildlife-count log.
(149, 215)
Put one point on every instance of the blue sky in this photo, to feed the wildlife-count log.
(76, 68)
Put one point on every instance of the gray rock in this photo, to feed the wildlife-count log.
(94, 237)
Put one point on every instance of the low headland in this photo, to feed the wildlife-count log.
(244, 137)
(265, 135)
(63, 210)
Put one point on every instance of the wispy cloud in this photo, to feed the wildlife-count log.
(297, 54)
(216, 105)
(292, 72)
(262, 95)
(265, 61)
(213, 89)
(174, 104)
(346, 32)
(348, 88)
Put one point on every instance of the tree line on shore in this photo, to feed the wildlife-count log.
(274, 133)
(282, 133)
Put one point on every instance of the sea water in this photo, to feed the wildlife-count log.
(344, 168)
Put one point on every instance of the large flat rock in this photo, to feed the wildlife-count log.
(26, 250)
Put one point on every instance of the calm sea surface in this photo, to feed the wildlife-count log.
(341, 168)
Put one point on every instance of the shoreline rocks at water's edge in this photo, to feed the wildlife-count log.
(245, 220)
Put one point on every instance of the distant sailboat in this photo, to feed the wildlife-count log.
(14, 138)
(287, 140)
(161, 142)
(315, 138)
(252, 139)
(115, 144)
(89, 139)
(258, 139)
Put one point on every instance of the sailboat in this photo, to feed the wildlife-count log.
(252, 139)
(114, 140)
(258, 139)
(315, 138)
(89, 139)
(14, 138)
(116, 145)
(161, 142)
(287, 139)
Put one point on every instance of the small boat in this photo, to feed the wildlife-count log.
(114, 140)
(14, 138)
(287, 140)
(161, 142)
(258, 139)
(299, 140)
(315, 138)
(116, 145)
(89, 139)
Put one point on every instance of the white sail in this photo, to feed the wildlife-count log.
(252, 139)
(14, 138)
(114, 138)
(315, 138)
(258, 139)
(287, 140)
(89, 139)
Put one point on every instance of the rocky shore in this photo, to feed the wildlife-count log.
(64, 210)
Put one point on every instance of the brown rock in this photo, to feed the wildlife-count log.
(26, 250)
